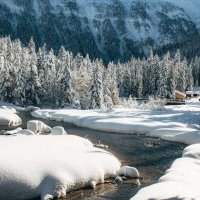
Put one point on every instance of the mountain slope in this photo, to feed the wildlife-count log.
(110, 29)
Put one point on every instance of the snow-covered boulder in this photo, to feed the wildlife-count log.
(58, 130)
(49, 166)
(38, 127)
(9, 118)
(130, 172)
(181, 180)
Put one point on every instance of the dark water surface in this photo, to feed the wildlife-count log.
(151, 156)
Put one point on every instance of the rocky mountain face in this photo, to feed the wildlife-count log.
(110, 29)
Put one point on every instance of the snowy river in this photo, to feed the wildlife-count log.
(151, 156)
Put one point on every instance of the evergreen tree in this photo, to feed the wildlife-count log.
(97, 87)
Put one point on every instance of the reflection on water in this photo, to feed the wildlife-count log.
(151, 156)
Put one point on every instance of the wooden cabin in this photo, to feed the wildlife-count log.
(180, 96)
(179, 99)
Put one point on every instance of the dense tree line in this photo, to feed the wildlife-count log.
(40, 77)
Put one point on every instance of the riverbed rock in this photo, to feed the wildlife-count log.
(119, 180)
(128, 171)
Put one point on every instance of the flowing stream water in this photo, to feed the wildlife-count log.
(152, 156)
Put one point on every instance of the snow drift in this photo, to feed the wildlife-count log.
(181, 180)
(173, 123)
(49, 166)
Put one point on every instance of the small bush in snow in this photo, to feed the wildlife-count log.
(129, 103)
(154, 104)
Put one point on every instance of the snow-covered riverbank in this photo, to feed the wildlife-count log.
(173, 123)
(181, 180)
(49, 166)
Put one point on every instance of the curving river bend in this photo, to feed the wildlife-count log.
(151, 156)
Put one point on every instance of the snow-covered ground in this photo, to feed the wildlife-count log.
(181, 180)
(174, 123)
(49, 166)
(8, 117)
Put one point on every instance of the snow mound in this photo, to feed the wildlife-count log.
(181, 180)
(58, 130)
(49, 166)
(38, 127)
(129, 172)
(9, 118)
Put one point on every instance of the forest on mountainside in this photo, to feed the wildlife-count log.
(40, 77)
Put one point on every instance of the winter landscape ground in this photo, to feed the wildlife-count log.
(174, 123)
(125, 69)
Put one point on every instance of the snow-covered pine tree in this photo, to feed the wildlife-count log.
(10, 73)
(162, 90)
(49, 82)
(96, 90)
(171, 79)
(81, 79)
(180, 72)
(110, 89)
(64, 77)
(195, 64)
(189, 78)
(32, 89)
(136, 77)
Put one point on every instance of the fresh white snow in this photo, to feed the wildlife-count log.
(38, 127)
(174, 123)
(49, 166)
(58, 130)
(181, 180)
(9, 118)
